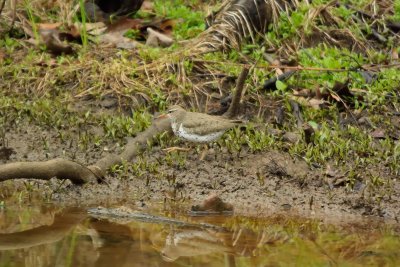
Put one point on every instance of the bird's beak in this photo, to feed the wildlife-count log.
(162, 116)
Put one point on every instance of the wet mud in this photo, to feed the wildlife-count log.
(258, 184)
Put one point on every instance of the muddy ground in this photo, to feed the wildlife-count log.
(260, 184)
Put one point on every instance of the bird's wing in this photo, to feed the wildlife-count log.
(202, 123)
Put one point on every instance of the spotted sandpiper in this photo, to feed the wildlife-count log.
(198, 127)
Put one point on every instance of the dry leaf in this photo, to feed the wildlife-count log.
(291, 137)
(359, 90)
(316, 103)
(48, 26)
(330, 172)
(48, 63)
(118, 39)
(378, 134)
(51, 39)
(147, 6)
(96, 28)
(395, 55)
(156, 39)
(303, 93)
(309, 102)
(125, 24)
(340, 181)
(278, 72)
(336, 97)
(164, 26)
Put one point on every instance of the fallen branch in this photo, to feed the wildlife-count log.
(77, 173)
(60, 168)
(118, 214)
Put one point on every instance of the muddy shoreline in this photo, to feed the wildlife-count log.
(257, 184)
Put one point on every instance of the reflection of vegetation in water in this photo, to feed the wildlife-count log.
(71, 249)
(311, 243)
(279, 241)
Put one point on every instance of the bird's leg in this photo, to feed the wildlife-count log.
(215, 151)
(176, 148)
(204, 153)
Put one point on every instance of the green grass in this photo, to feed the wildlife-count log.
(190, 22)
(83, 31)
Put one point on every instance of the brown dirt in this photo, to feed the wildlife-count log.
(264, 183)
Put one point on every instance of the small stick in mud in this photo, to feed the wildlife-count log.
(233, 110)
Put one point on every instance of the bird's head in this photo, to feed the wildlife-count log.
(173, 113)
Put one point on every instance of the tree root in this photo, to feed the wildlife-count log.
(77, 173)
(60, 168)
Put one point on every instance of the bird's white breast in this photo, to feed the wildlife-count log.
(181, 132)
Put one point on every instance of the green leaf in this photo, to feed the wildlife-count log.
(281, 86)
(313, 124)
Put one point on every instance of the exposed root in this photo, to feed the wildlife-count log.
(60, 168)
(78, 174)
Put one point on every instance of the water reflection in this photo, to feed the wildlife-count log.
(71, 237)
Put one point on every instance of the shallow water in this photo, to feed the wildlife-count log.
(54, 236)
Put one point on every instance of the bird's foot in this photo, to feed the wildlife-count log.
(175, 148)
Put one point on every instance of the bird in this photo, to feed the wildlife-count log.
(198, 127)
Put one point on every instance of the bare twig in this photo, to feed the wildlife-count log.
(235, 104)
(301, 68)
(14, 15)
(297, 113)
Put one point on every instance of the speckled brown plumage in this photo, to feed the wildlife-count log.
(198, 127)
